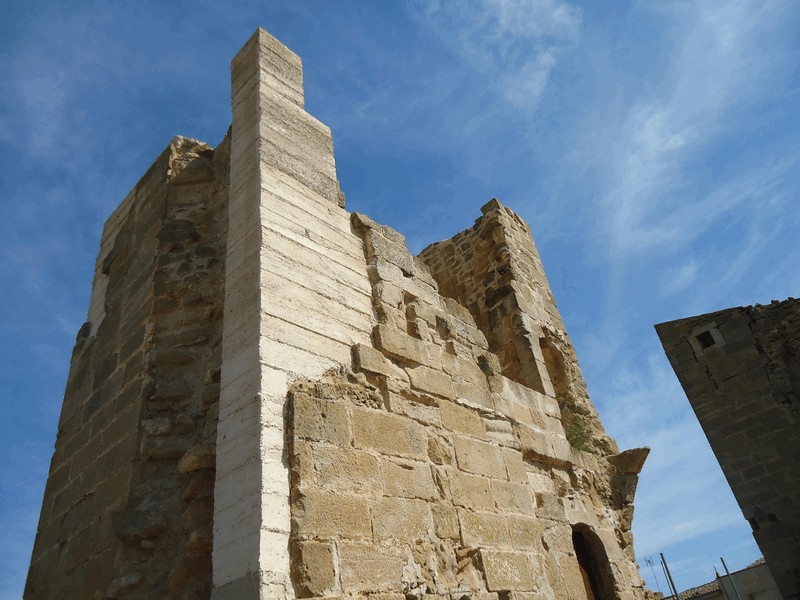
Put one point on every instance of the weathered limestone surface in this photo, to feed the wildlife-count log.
(494, 270)
(740, 369)
(128, 505)
(272, 398)
(425, 471)
(296, 298)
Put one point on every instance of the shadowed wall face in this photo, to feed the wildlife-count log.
(129, 500)
(740, 369)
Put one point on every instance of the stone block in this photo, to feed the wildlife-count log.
(472, 394)
(506, 571)
(370, 568)
(543, 446)
(347, 470)
(557, 538)
(440, 449)
(541, 482)
(483, 529)
(201, 456)
(471, 491)
(526, 532)
(550, 506)
(431, 381)
(320, 420)
(388, 433)
(314, 572)
(512, 497)
(366, 358)
(480, 458)
(515, 410)
(123, 422)
(111, 490)
(362, 221)
(419, 411)
(445, 521)
(391, 251)
(401, 346)
(461, 419)
(401, 519)
(408, 479)
(464, 371)
(388, 294)
(324, 514)
(455, 309)
(570, 572)
(500, 430)
(552, 424)
(515, 466)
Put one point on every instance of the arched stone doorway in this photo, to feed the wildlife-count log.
(593, 563)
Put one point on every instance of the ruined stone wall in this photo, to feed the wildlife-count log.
(127, 509)
(495, 271)
(740, 369)
(424, 470)
(272, 398)
(166, 526)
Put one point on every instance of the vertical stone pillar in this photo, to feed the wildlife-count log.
(297, 297)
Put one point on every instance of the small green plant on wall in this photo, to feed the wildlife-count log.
(578, 434)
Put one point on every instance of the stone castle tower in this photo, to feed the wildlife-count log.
(272, 398)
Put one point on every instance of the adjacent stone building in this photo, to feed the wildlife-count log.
(754, 582)
(740, 369)
(272, 398)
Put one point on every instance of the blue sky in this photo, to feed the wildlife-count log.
(652, 146)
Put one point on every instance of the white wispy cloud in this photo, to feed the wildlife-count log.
(515, 43)
(718, 66)
(678, 278)
(537, 18)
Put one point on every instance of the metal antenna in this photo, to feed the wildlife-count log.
(720, 584)
(649, 561)
(669, 576)
(733, 585)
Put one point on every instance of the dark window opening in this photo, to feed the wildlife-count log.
(705, 339)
